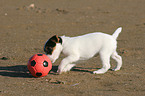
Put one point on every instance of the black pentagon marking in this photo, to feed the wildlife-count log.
(38, 74)
(33, 63)
(39, 54)
(45, 64)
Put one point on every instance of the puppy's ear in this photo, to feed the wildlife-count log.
(60, 40)
(49, 47)
(54, 38)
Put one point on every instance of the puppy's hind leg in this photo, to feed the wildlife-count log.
(105, 58)
(118, 58)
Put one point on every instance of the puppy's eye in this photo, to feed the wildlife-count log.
(48, 50)
(50, 43)
(49, 47)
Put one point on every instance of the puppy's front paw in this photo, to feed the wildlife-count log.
(69, 67)
(65, 69)
(59, 71)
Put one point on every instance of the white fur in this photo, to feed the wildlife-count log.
(85, 47)
(56, 53)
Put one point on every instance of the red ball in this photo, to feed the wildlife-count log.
(39, 65)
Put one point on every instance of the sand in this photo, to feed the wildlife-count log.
(27, 24)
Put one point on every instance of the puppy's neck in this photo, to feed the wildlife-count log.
(65, 39)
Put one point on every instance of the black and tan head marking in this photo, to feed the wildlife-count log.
(51, 44)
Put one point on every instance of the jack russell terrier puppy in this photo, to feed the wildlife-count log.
(82, 48)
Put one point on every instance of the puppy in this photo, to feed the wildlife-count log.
(82, 48)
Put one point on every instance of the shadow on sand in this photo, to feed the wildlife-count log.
(21, 71)
(15, 71)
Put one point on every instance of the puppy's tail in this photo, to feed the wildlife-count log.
(116, 33)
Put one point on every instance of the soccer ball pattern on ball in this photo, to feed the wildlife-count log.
(39, 65)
